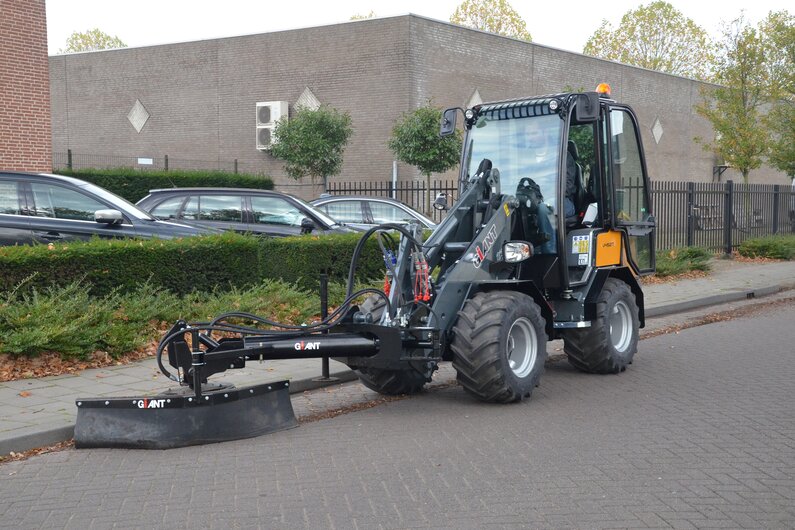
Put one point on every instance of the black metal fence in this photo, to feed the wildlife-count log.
(687, 213)
(72, 160)
(415, 194)
(720, 216)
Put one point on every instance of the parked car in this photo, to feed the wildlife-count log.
(240, 209)
(366, 212)
(45, 208)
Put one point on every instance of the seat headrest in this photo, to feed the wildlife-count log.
(573, 150)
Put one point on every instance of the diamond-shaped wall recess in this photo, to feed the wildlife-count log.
(474, 99)
(307, 100)
(138, 116)
(657, 130)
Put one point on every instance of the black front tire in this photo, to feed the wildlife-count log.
(499, 343)
(609, 345)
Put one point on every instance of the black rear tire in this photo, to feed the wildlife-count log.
(499, 343)
(392, 382)
(609, 345)
(388, 382)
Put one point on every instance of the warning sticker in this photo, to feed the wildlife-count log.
(580, 244)
(582, 259)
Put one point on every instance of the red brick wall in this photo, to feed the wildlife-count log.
(25, 137)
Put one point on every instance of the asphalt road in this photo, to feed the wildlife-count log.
(698, 433)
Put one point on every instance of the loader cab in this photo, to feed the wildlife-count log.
(580, 158)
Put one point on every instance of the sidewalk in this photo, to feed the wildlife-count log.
(46, 413)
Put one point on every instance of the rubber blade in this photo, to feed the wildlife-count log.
(174, 420)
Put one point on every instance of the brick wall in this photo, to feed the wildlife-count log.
(201, 95)
(25, 134)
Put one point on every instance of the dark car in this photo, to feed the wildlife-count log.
(52, 208)
(240, 209)
(366, 212)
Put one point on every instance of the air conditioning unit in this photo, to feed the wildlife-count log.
(268, 113)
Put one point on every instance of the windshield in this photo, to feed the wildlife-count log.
(519, 148)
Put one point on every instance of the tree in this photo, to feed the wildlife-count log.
(312, 142)
(778, 30)
(657, 37)
(416, 141)
(781, 124)
(496, 16)
(734, 106)
(357, 16)
(91, 40)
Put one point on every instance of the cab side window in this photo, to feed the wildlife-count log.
(627, 170)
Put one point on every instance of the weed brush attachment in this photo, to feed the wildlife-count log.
(177, 419)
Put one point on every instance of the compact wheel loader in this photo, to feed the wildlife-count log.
(550, 231)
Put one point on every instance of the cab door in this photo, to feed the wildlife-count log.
(628, 180)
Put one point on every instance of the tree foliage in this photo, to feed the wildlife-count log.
(416, 141)
(778, 30)
(734, 106)
(312, 142)
(91, 40)
(658, 37)
(358, 16)
(495, 16)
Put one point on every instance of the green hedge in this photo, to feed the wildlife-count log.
(300, 260)
(134, 184)
(775, 247)
(186, 265)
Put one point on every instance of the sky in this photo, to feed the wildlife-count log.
(151, 22)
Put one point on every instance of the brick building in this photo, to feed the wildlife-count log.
(25, 136)
(196, 101)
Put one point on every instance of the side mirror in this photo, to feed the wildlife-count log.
(448, 122)
(307, 225)
(440, 203)
(587, 109)
(109, 217)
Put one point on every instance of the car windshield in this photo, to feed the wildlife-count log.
(121, 204)
(519, 148)
(316, 212)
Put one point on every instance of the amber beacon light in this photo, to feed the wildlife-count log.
(603, 89)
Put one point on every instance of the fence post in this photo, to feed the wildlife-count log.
(69, 159)
(393, 184)
(235, 166)
(776, 195)
(165, 162)
(728, 210)
(691, 222)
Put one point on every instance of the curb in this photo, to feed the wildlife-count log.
(717, 299)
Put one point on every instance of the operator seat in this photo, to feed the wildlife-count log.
(579, 196)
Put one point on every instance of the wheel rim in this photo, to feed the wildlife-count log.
(522, 347)
(620, 326)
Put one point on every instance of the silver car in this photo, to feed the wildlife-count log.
(365, 212)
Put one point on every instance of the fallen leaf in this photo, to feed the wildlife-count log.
(24, 393)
